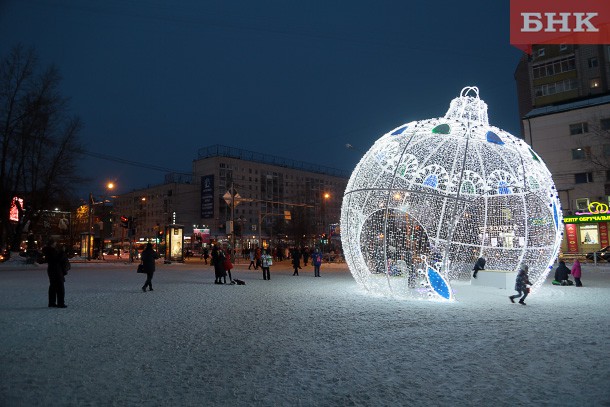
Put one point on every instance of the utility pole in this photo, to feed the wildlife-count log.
(232, 221)
(90, 226)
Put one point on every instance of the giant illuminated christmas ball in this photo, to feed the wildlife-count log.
(432, 196)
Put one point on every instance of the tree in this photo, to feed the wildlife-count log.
(39, 144)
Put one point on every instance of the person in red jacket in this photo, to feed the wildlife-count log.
(577, 273)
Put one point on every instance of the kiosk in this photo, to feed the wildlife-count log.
(174, 243)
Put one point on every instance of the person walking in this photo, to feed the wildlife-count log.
(257, 258)
(252, 260)
(316, 260)
(296, 261)
(148, 257)
(577, 273)
(305, 256)
(218, 259)
(479, 265)
(521, 284)
(205, 255)
(266, 262)
(55, 272)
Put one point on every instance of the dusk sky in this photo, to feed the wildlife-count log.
(156, 80)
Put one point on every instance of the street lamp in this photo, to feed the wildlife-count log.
(109, 186)
(324, 209)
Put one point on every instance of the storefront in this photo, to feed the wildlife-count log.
(585, 233)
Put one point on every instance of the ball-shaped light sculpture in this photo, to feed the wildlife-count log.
(432, 196)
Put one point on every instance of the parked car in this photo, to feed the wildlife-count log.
(602, 254)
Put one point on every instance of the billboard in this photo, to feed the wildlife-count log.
(207, 197)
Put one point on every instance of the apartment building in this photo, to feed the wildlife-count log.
(564, 102)
(275, 199)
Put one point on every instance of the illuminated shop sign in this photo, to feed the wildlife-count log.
(598, 212)
(595, 208)
(14, 212)
(586, 219)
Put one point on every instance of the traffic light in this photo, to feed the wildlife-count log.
(124, 222)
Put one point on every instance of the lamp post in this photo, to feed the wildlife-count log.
(324, 203)
(109, 187)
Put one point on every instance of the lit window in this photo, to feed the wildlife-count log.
(594, 83)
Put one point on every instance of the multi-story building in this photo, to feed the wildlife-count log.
(564, 102)
(154, 207)
(278, 197)
(555, 74)
(275, 199)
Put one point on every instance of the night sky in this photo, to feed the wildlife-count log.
(155, 80)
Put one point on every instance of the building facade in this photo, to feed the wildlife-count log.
(152, 209)
(275, 200)
(564, 100)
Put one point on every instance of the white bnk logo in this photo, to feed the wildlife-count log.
(532, 22)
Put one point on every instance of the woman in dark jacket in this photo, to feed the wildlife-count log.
(296, 261)
(479, 265)
(54, 259)
(148, 260)
(561, 273)
(218, 260)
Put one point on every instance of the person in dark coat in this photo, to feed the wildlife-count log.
(218, 260)
(148, 257)
(55, 260)
(561, 273)
(521, 284)
(305, 256)
(296, 261)
(316, 260)
(479, 265)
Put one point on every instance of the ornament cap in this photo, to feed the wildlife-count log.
(468, 107)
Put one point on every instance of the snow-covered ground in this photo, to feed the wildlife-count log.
(295, 341)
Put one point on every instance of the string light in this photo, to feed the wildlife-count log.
(432, 196)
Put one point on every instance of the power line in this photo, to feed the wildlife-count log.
(132, 163)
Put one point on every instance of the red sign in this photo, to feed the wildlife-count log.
(14, 212)
(603, 234)
(559, 22)
(572, 235)
(203, 234)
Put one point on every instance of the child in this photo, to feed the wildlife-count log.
(577, 273)
(316, 259)
(266, 262)
(521, 286)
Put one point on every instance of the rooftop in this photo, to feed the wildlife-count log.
(218, 150)
(580, 104)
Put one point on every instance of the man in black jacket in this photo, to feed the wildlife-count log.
(54, 259)
(148, 257)
(479, 265)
